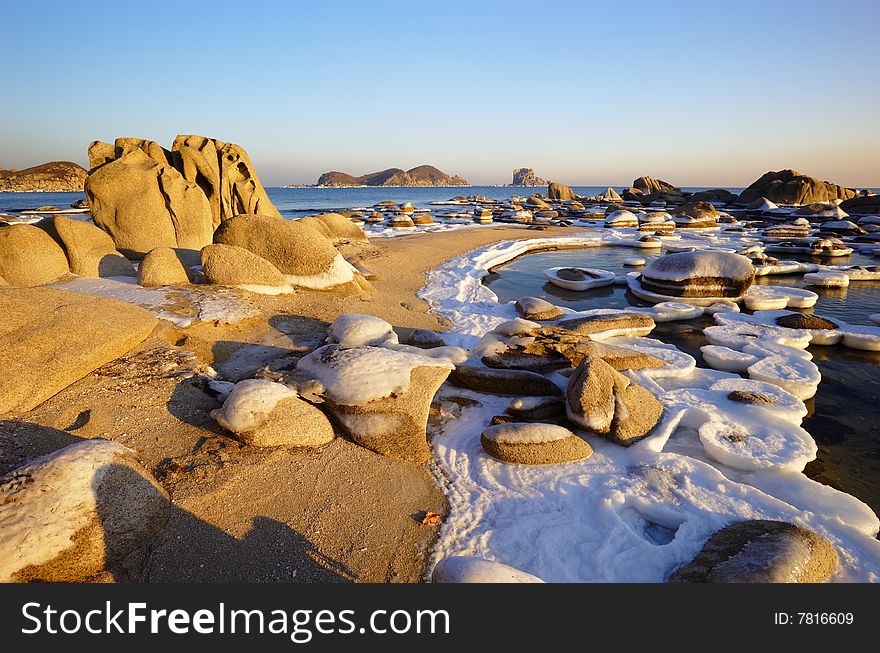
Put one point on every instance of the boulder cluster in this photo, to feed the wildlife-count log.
(198, 204)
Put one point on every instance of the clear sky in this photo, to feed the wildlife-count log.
(697, 93)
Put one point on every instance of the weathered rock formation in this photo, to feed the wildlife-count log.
(699, 274)
(862, 205)
(526, 177)
(792, 187)
(56, 177)
(90, 251)
(424, 175)
(145, 196)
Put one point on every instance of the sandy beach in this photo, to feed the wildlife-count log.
(338, 513)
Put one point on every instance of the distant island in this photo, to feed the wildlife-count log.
(526, 177)
(53, 177)
(424, 175)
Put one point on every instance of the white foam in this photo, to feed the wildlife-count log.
(250, 403)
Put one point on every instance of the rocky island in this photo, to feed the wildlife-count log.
(53, 177)
(526, 177)
(424, 175)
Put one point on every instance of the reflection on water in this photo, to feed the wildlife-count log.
(844, 416)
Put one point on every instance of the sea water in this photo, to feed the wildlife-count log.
(844, 416)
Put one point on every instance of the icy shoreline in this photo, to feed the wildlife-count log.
(625, 514)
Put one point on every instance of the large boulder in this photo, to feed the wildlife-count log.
(29, 256)
(71, 514)
(226, 175)
(337, 228)
(719, 195)
(537, 202)
(40, 357)
(299, 251)
(557, 191)
(144, 204)
(696, 215)
(791, 187)
(648, 185)
(263, 413)
(511, 382)
(761, 551)
(380, 397)
(604, 401)
(862, 205)
(162, 267)
(699, 274)
(228, 265)
(90, 251)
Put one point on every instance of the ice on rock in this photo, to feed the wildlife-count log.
(764, 297)
(356, 330)
(735, 331)
(751, 444)
(250, 403)
(827, 279)
(579, 279)
(722, 307)
(516, 327)
(634, 262)
(850, 335)
(864, 338)
(798, 376)
(673, 311)
(447, 353)
(726, 359)
(772, 398)
(353, 377)
(472, 569)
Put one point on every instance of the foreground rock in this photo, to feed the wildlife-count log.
(267, 414)
(761, 551)
(335, 227)
(70, 515)
(791, 187)
(54, 177)
(29, 256)
(699, 274)
(380, 397)
(299, 251)
(534, 444)
(40, 357)
(603, 400)
(535, 308)
(162, 267)
(503, 381)
(90, 251)
(557, 191)
(228, 265)
(471, 569)
(610, 325)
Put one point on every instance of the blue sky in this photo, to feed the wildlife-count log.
(698, 93)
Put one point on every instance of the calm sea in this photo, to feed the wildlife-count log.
(298, 202)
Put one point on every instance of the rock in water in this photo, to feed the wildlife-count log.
(699, 274)
(602, 326)
(29, 256)
(305, 255)
(471, 569)
(226, 175)
(791, 187)
(70, 515)
(526, 177)
(380, 397)
(535, 308)
(534, 444)
(90, 251)
(603, 400)
(557, 191)
(648, 185)
(162, 267)
(41, 357)
(144, 204)
(228, 265)
(761, 551)
(267, 414)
